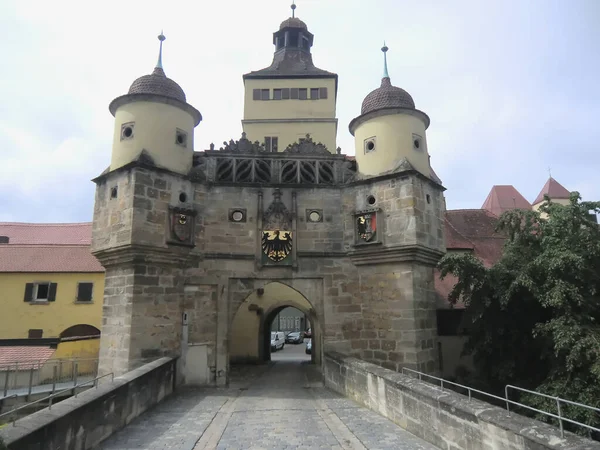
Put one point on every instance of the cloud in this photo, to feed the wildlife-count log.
(510, 87)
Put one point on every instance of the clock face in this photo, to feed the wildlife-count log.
(237, 216)
(314, 216)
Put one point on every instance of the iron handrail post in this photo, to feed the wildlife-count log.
(30, 382)
(6, 380)
(75, 380)
(54, 370)
(562, 431)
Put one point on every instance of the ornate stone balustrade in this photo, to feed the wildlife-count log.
(243, 162)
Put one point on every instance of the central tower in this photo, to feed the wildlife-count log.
(291, 98)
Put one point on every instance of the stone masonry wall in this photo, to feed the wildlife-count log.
(144, 289)
(448, 420)
(371, 306)
(112, 221)
(116, 320)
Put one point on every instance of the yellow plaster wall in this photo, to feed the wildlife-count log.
(300, 113)
(244, 342)
(289, 109)
(155, 131)
(290, 132)
(560, 201)
(19, 316)
(84, 348)
(394, 141)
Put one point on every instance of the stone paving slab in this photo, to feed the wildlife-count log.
(278, 406)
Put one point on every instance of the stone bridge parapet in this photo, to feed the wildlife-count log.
(82, 422)
(445, 418)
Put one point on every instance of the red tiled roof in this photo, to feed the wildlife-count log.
(23, 355)
(552, 189)
(48, 258)
(504, 198)
(47, 233)
(455, 240)
(474, 230)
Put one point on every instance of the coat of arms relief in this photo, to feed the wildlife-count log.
(277, 239)
(182, 226)
(366, 226)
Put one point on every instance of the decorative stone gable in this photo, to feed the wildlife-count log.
(243, 146)
(307, 147)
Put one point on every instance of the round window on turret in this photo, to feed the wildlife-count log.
(370, 144)
(127, 131)
(417, 142)
(181, 138)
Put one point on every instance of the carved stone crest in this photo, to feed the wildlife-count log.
(243, 146)
(276, 241)
(307, 146)
(182, 226)
(366, 226)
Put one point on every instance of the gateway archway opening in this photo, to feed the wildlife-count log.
(287, 335)
(279, 308)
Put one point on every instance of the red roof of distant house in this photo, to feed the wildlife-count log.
(455, 240)
(24, 354)
(48, 258)
(471, 230)
(504, 198)
(47, 233)
(552, 189)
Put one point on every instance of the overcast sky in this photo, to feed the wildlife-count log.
(511, 86)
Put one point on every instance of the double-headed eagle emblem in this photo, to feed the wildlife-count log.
(276, 242)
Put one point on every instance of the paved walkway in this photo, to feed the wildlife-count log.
(279, 406)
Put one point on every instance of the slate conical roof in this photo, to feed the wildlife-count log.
(293, 22)
(386, 96)
(157, 83)
(552, 189)
(157, 87)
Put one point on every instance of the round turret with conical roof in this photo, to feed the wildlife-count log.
(390, 130)
(154, 117)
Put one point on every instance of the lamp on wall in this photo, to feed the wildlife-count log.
(255, 308)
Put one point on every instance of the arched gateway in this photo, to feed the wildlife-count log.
(202, 247)
(249, 337)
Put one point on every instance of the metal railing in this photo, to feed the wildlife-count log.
(27, 374)
(509, 402)
(56, 394)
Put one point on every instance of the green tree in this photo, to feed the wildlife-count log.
(533, 316)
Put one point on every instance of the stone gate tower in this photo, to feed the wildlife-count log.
(203, 248)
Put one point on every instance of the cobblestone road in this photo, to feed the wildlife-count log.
(279, 406)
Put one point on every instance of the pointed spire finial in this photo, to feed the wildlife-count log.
(384, 49)
(550, 172)
(161, 38)
(293, 6)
